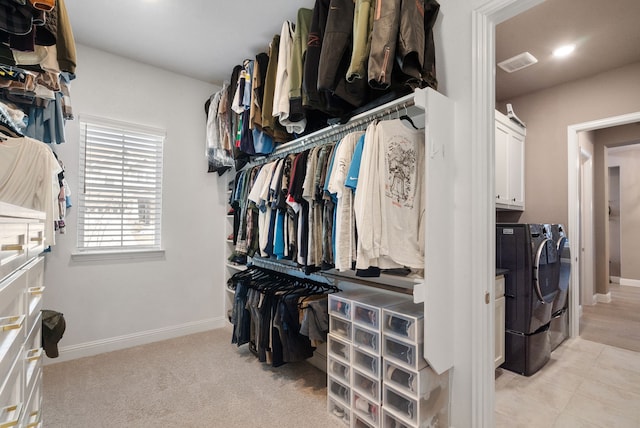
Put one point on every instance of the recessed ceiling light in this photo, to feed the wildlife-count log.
(563, 51)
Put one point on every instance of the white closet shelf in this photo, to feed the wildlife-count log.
(235, 266)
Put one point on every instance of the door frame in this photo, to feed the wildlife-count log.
(573, 174)
(586, 254)
(484, 19)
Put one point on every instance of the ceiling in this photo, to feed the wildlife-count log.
(606, 35)
(204, 39)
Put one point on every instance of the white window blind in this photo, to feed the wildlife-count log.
(120, 201)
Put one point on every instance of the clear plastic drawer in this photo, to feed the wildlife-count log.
(360, 422)
(389, 420)
(430, 411)
(340, 327)
(413, 383)
(367, 310)
(369, 387)
(366, 363)
(406, 354)
(366, 339)
(339, 391)
(339, 370)
(366, 409)
(405, 320)
(339, 348)
(340, 306)
(339, 410)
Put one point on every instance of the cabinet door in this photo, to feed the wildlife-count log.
(502, 163)
(516, 171)
(499, 331)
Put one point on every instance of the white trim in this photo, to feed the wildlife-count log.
(629, 282)
(614, 279)
(482, 263)
(573, 172)
(93, 256)
(96, 347)
(602, 298)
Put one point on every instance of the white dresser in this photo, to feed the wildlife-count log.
(21, 288)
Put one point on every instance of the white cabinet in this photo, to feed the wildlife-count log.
(499, 320)
(21, 287)
(509, 149)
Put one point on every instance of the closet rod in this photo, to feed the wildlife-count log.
(326, 134)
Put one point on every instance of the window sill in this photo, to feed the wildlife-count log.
(90, 256)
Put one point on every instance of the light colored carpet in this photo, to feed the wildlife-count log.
(616, 323)
(201, 380)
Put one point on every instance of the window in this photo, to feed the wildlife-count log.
(120, 201)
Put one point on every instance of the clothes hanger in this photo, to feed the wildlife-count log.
(406, 118)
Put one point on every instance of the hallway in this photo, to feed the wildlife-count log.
(616, 323)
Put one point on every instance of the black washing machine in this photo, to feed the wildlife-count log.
(531, 286)
(559, 327)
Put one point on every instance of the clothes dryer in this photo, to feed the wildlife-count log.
(559, 328)
(531, 286)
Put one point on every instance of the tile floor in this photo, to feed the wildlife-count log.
(585, 384)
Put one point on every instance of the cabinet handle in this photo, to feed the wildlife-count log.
(12, 416)
(12, 247)
(11, 323)
(34, 354)
(37, 239)
(35, 417)
(35, 291)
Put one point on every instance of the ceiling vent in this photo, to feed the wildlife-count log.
(517, 62)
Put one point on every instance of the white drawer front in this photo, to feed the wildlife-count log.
(34, 291)
(13, 247)
(11, 395)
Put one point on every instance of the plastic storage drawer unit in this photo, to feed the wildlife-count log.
(339, 410)
(366, 409)
(369, 387)
(340, 327)
(431, 410)
(415, 384)
(366, 339)
(339, 347)
(339, 370)
(366, 363)
(405, 321)
(407, 354)
(367, 310)
(339, 391)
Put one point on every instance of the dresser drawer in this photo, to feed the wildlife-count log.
(12, 294)
(13, 247)
(35, 288)
(11, 393)
(11, 341)
(36, 241)
(32, 413)
(32, 356)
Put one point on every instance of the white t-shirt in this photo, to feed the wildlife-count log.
(401, 173)
(29, 178)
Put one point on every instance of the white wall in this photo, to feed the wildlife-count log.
(119, 303)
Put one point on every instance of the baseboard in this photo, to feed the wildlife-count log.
(614, 279)
(630, 282)
(96, 347)
(603, 298)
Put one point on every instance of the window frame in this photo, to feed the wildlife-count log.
(132, 136)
